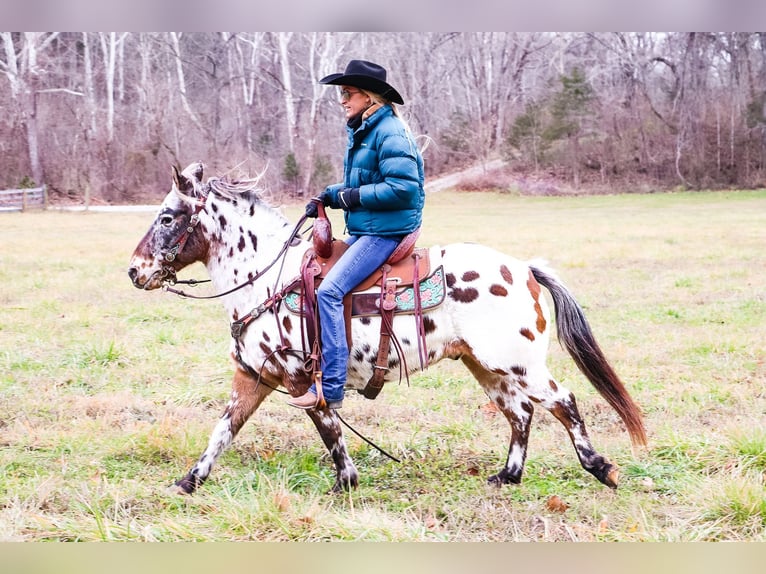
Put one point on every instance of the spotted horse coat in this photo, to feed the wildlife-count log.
(494, 319)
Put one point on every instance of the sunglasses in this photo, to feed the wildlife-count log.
(345, 95)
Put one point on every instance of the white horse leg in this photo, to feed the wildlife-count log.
(328, 425)
(541, 388)
(246, 396)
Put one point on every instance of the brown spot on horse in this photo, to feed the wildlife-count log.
(534, 289)
(506, 274)
(464, 295)
(527, 333)
(498, 290)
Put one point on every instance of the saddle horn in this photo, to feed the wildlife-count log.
(322, 232)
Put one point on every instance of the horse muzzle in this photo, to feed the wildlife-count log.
(153, 281)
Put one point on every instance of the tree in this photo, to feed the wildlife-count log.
(527, 133)
(570, 111)
(21, 68)
(291, 171)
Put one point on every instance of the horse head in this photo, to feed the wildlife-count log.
(174, 239)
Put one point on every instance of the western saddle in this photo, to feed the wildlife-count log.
(403, 269)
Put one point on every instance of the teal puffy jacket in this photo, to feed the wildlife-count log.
(383, 161)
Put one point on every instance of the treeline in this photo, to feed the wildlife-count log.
(104, 115)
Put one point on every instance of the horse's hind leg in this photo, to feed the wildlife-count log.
(544, 390)
(246, 396)
(518, 411)
(328, 425)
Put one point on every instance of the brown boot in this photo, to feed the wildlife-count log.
(306, 401)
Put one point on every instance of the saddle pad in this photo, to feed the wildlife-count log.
(366, 303)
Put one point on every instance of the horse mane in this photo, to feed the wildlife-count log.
(247, 190)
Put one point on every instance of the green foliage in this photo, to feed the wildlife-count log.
(290, 170)
(323, 173)
(527, 132)
(570, 107)
(563, 116)
(27, 183)
(458, 134)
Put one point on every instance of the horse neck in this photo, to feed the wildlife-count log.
(244, 238)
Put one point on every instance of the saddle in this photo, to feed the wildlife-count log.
(396, 287)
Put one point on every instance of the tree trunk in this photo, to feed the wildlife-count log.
(287, 87)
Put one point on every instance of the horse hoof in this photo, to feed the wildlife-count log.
(612, 478)
(344, 486)
(183, 486)
(176, 490)
(503, 477)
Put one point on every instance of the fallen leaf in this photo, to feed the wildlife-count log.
(282, 501)
(306, 520)
(555, 504)
(603, 526)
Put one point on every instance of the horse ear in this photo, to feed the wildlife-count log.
(180, 181)
(198, 169)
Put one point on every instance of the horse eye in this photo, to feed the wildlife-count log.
(166, 220)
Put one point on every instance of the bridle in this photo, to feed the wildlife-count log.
(173, 252)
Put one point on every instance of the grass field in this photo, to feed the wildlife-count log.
(108, 394)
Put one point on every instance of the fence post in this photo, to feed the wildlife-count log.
(45, 197)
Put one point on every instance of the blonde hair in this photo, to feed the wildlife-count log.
(379, 100)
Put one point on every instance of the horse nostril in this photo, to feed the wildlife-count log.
(133, 273)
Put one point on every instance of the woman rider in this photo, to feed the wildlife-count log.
(382, 197)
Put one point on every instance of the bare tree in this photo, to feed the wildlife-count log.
(283, 43)
(106, 112)
(110, 43)
(21, 68)
(175, 40)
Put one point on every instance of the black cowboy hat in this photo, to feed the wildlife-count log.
(367, 76)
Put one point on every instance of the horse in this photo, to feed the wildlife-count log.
(493, 318)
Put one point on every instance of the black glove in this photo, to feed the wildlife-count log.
(311, 206)
(348, 197)
(311, 209)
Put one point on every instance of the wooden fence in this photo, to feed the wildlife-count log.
(23, 199)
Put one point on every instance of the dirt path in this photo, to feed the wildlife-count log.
(450, 180)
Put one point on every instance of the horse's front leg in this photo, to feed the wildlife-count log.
(246, 396)
(516, 408)
(328, 425)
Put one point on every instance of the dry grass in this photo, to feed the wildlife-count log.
(107, 394)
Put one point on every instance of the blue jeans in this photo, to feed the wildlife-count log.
(365, 254)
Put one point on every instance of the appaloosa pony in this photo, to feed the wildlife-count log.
(493, 318)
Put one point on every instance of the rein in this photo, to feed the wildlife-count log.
(166, 285)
